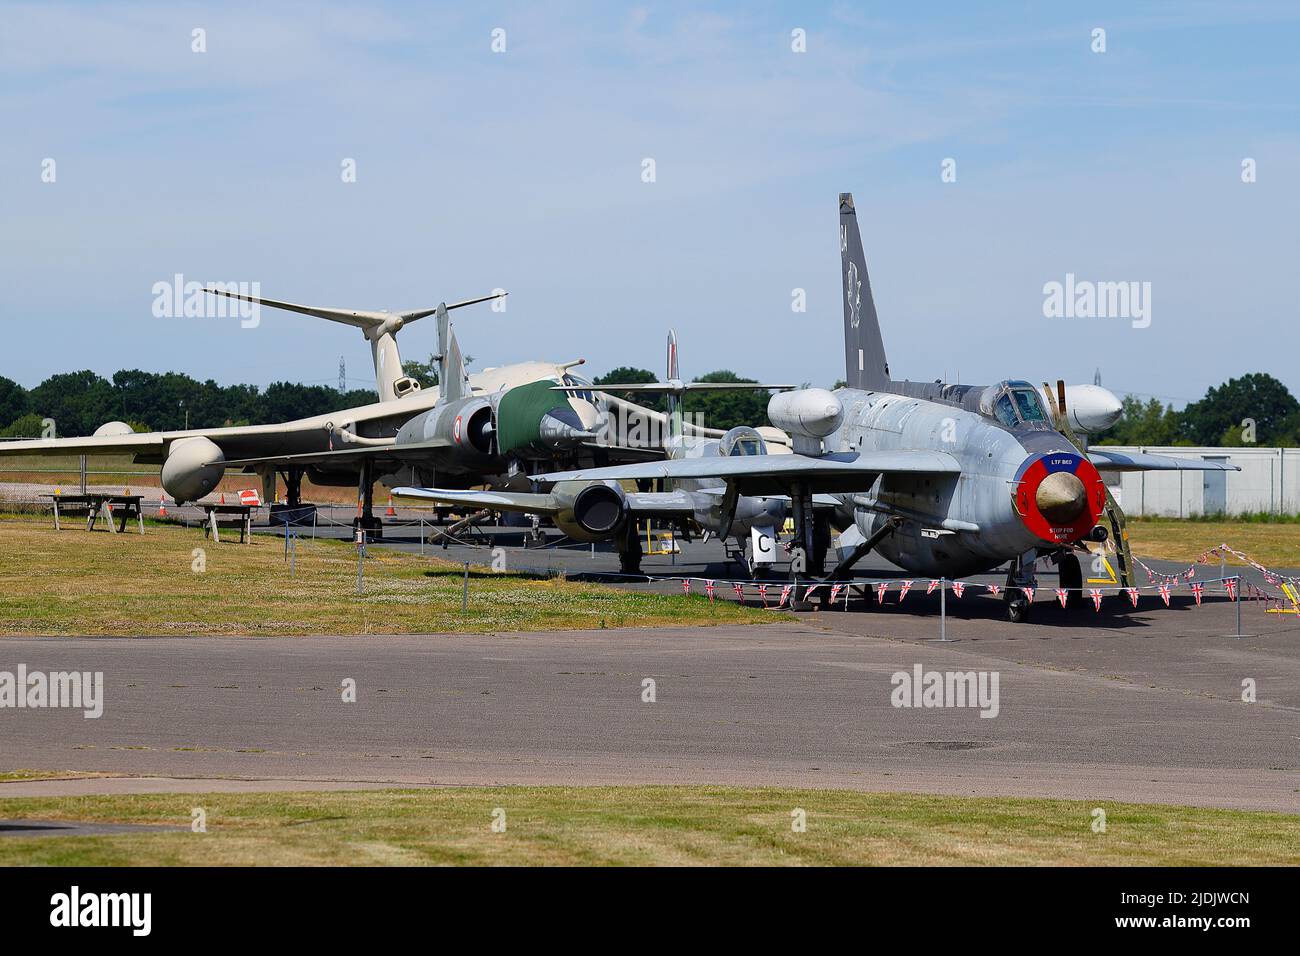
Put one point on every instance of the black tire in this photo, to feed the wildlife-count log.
(1071, 573)
(1018, 610)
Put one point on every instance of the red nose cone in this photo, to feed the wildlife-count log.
(1059, 496)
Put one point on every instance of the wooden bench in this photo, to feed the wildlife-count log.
(96, 505)
(232, 516)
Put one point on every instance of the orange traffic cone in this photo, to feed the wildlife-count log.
(162, 507)
(223, 498)
(390, 513)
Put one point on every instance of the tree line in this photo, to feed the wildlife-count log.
(79, 402)
(1254, 409)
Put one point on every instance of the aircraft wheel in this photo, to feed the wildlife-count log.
(1071, 576)
(1018, 610)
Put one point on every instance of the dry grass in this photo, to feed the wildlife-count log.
(1275, 545)
(96, 583)
(119, 471)
(645, 826)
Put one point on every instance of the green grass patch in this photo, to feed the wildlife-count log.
(645, 826)
(171, 580)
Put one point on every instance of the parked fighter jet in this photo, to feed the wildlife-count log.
(602, 510)
(943, 480)
(470, 429)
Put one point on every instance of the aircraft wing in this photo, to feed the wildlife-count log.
(394, 452)
(88, 445)
(658, 503)
(493, 500)
(1137, 461)
(243, 443)
(774, 474)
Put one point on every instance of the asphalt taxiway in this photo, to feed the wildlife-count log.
(1146, 709)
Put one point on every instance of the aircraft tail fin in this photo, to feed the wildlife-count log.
(864, 349)
(674, 403)
(452, 380)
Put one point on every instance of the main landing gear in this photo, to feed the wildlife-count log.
(629, 549)
(1021, 575)
(366, 519)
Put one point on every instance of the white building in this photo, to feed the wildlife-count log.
(1269, 480)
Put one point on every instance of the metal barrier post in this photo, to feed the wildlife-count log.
(1238, 603)
(943, 615)
(361, 554)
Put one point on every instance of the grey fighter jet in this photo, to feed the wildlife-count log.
(943, 480)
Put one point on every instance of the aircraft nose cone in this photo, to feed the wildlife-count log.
(561, 428)
(1061, 498)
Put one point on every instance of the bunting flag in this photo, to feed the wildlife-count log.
(708, 589)
(933, 585)
(1197, 588)
(686, 586)
(1062, 595)
(1132, 595)
(994, 589)
(1029, 594)
(740, 591)
(785, 595)
(881, 588)
(1191, 573)
(835, 591)
(1164, 593)
(902, 591)
(762, 593)
(1096, 598)
(811, 588)
(958, 587)
(1231, 585)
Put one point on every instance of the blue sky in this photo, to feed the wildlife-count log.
(522, 170)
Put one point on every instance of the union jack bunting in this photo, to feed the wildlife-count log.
(958, 587)
(1096, 598)
(1164, 593)
(740, 591)
(1029, 594)
(708, 589)
(1197, 588)
(762, 593)
(933, 585)
(835, 591)
(881, 588)
(1231, 585)
(1062, 595)
(811, 588)
(686, 585)
(785, 595)
(903, 589)
(1132, 595)
(994, 589)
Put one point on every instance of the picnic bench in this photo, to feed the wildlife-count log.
(232, 516)
(95, 505)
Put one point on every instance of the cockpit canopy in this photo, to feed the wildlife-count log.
(742, 440)
(1013, 404)
(569, 378)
